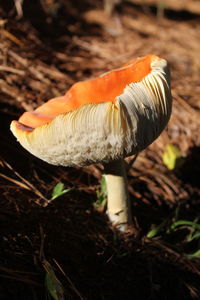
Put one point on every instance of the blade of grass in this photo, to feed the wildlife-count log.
(101, 196)
(193, 236)
(185, 223)
(196, 254)
(69, 280)
(156, 230)
(53, 285)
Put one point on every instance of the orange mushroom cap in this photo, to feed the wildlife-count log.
(105, 118)
(102, 89)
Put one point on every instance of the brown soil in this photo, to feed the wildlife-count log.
(42, 54)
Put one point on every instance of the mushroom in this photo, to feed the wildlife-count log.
(103, 120)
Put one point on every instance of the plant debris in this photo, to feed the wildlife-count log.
(40, 58)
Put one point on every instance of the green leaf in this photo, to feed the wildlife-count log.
(172, 157)
(196, 254)
(59, 190)
(53, 285)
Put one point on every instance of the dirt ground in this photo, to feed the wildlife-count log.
(46, 46)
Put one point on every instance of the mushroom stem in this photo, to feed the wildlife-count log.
(118, 205)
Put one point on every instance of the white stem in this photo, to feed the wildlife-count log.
(118, 207)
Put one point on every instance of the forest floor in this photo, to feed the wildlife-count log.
(42, 54)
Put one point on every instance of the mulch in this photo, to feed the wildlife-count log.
(40, 59)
